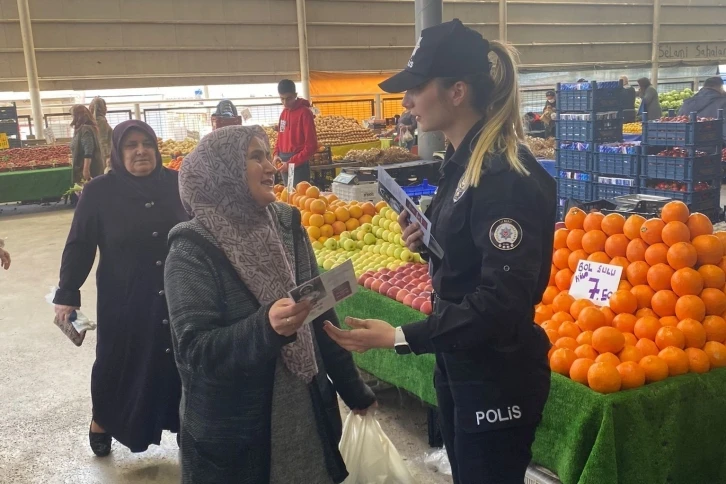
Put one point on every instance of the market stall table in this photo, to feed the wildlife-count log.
(671, 431)
(35, 185)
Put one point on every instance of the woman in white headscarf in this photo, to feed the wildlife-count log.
(257, 404)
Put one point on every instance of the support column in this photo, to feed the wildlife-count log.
(655, 43)
(137, 112)
(502, 20)
(302, 40)
(31, 68)
(378, 107)
(428, 13)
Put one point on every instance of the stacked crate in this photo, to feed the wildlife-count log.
(578, 131)
(9, 125)
(682, 160)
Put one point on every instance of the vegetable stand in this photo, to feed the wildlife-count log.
(669, 431)
(35, 185)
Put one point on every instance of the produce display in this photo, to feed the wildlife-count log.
(677, 186)
(410, 285)
(667, 316)
(633, 128)
(680, 119)
(376, 156)
(18, 159)
(680, 153)
(670, 100)
(176, 163)
(542, 148)
(339, 130)
(176, 148)
(272, 135)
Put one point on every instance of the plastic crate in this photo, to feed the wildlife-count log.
(578, 189)
(691, 168)
(573, 160)
(692, 133)
(607, 191)
(591, 100)
(424, 189)
(9, 112)
(597, 131)
(549, 166)
(702, 200)
(616, 164)
(364, 192)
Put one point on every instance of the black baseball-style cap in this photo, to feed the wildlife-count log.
(446, 50)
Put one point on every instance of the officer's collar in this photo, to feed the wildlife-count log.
(461, 155)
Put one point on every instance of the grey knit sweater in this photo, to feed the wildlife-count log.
(244, 417)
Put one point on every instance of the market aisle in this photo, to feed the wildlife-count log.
(45, 379)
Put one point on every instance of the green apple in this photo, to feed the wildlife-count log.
(380, 241)
(369, 239)
(385, 224)
(396, 228)
(398, 240)
(360, 244)
(397, 252)
(331, 244)
(376, 220)
(328, 264)
(317, 245)
(345, 235)
(417, 257)
(366, 228)
(391, 237)
(405, 255)
(376, 249)
(384, 212)
(390, 250)
(379, 232)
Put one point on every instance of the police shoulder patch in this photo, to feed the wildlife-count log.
(505, 234)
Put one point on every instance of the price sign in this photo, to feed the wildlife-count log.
(595, 281)
(4, 144)
(290, 177)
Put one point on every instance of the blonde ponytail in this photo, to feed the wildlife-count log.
(503, 130)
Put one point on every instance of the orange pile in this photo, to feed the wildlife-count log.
(668, 316)
(326, 216)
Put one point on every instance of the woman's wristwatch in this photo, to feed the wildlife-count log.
(400, 344)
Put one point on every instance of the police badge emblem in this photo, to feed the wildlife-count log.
(505, 234)
(460, 189)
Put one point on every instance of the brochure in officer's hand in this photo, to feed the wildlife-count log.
(327, 290)
(396, 197)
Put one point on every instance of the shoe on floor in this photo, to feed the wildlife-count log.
(100, 443)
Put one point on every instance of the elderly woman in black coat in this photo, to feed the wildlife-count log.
(258, 404)
(127, 215)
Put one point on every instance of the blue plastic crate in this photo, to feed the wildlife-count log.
(606, 191)
(692, 133)
(573, 160)
(549, 166)
(424, 189)
(616, 164)
(577, 189)
(701, 200)
(597, 131)
(691, 168)
(594, 99)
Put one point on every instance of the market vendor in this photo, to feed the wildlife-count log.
(550, 108)
(494, 216)
(297, 140)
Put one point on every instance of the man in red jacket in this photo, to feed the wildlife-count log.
(296, 140)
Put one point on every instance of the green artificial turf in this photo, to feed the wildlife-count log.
(672, 431)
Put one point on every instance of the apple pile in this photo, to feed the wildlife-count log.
(677, 186)
(680, 153)
(409, 284)
(680, 119)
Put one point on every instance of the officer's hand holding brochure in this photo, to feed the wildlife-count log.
(396, 197)
(327, 290)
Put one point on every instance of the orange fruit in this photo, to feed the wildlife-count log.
(676, 359)
(566, 342)
(716, 354)
(664, 302)
(616, 245)
(355, 211)
(722, 237)
(651, 231)
(313, 192)
(604, 377)
(669, 321)
(714, 300)
(600, 257)
(329, 217)
(693, 332)
(624, 285)
(643, 293)
(381, 205)
(647, 327)
(622, 262)
(656, 254)
(302, 187)
(551, 324)
(675, 232)
(317, 220)
(584, 338)
(594, 241)
(562, 317)
(563, 279)
(561, 361)
(569, 329)
(699, 224)
(655, 368)
(562, 302)
(636, 250)
(313, 232)
(309, 202)
(559, 258)
(591, 318)
(365, 219)
(624, 322)
(560, 239)
(670, 336)
(690, 307)
(686, 282)
(681, 255)
(574, 239)
(659, 277)
(607, 339)
(612, 224)
(631, 375)
(632, 226)
(575, 218)
(637, 273)
(698, 360)
(368, 209)
(643, 312)
(318, 206)
(553, 273)
(593, 221)
(713, 276)
(342, 214)
(630, 353)
(579, 369)
(352, 224)
(552, 335)
(327, 231)
(575, 257)
(609, 315)
(333, 198)
(578, 306)
(305, 218)
(338, 227)
(586, 351)
(708, 248)
(609, 358)
(675, 211)
(647, 347)
(549, 295)
(630, 339)
(715, 327)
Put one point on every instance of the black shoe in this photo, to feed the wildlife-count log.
(100, 443)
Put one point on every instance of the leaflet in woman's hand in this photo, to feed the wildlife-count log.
(327, 290)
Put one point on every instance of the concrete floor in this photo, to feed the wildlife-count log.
(45, 380)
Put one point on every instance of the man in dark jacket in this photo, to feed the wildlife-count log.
(707, 101)
(627, 101)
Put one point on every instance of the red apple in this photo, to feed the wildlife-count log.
(384, 277)
(399, 276)
(384, 270)
(376, 286)
(422, 285)
(393, 292)
(369, 282)
(384, 288)
(426, 294)
(426, 307)
(401, 296)
(418, 302)
(363, 278)
(408, 287)
(429, 288)
(408, 300)
(407, 279)
(416, 291)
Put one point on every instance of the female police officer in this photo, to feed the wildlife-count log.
(494, 217)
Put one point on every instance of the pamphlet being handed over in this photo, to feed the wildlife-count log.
(327, 290)
(394, 195)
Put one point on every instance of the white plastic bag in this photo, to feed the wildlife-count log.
(369, 455)
(438, 461)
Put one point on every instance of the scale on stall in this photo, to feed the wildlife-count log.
(351, 185)
(648, 206)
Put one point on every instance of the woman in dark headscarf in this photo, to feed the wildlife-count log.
(259, 406)
(105, 133)
(85, 148)
(127, 214)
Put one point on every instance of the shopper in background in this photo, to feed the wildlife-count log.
(627, 101)
(649, 99)
(548, 113)
(4, 256)
(297, 141)
(494, 217)
(127, 215)
(406, 130)
(85, 147)
(707, 102)
(105, 133)
(259, 405)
